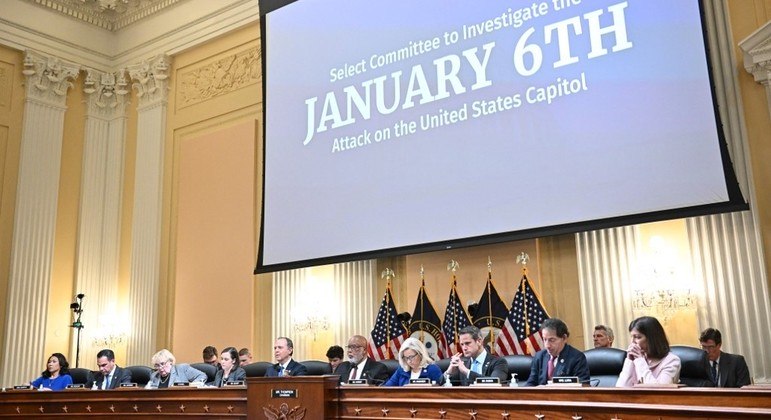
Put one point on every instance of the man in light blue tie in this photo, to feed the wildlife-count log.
(110, 375)
(475, 361)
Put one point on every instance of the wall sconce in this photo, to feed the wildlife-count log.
(665, 302)
(311, 324)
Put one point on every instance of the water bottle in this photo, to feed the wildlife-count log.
(513, 383)
(447, 381)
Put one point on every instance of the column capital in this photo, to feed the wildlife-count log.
(106, 93)
(48, 77)
(151, 80)
(757, 57)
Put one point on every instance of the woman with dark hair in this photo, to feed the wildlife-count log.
(648, 358)
(229, 370)
(56, 376)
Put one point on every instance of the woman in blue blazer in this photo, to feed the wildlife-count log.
(415, 363)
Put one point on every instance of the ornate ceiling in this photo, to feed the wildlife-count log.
(107, 14)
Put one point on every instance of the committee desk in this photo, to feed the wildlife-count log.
(318, 397)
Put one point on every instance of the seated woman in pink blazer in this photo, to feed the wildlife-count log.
(648, 358)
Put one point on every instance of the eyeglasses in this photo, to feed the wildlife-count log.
(353, 347)
(160, 365)
(709, 347)
(410, 358)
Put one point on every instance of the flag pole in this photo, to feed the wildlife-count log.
(423, 295)
(388, 273)
(522, 259)
(453, 266)
(490, 303)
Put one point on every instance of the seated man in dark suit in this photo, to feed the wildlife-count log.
(109, 375)
(727, 370)
(476, 361)
(283, 349)
(558, 358)
(359, 366)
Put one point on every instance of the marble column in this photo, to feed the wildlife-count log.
(47, 81)
(150, 79)
(100, 211)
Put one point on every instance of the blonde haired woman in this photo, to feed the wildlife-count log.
(167, 373)
(415, 363)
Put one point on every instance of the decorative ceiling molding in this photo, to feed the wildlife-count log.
(168, 27)
(757, 57)
(107, 14)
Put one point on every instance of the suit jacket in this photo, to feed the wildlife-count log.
(121, 376)
(493, 366)
(179, 373)
(237, 374)
(294, 368)
(734, 372)
(571, 362)
(373, 372)
(402, 377)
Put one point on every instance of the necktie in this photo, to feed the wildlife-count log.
(714, 372)
(280, 370)
(550, 368)
(107, 382)
(353, 371)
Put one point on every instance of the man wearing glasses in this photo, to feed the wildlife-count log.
(558, 358)
(359, 366)
(727, 370)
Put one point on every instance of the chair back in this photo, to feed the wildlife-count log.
(443, 364)
(209, 370)
(694, 366)
(140, 374)
(519, 364)
(605, 365)
(391, 364)
(81, 375)
(317, 367)
(257, 369)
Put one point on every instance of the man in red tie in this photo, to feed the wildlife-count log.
(359, 366)
(558, 358)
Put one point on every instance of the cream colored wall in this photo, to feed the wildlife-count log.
(213, 193)
(11, 111)
(746, 17)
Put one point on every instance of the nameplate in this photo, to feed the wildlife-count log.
(420, 381)
(283, 393)
(487, 380)
(566, 381)
(129, 385)
(233, 383)
(357, 382)
(22, 387)
(75, 386)
(181, 384)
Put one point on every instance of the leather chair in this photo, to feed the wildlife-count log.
(81, 375)
(443, 364)
(256, 369)
(391, 364)
(317, 367)
(206, 368)
(694, 366)
(519, 364)
(605, 365)
(140, 374)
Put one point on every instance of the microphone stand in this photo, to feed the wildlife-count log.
(77, 308)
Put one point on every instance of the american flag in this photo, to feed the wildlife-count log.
(455, 318)
(521, 332)
(388, 333)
